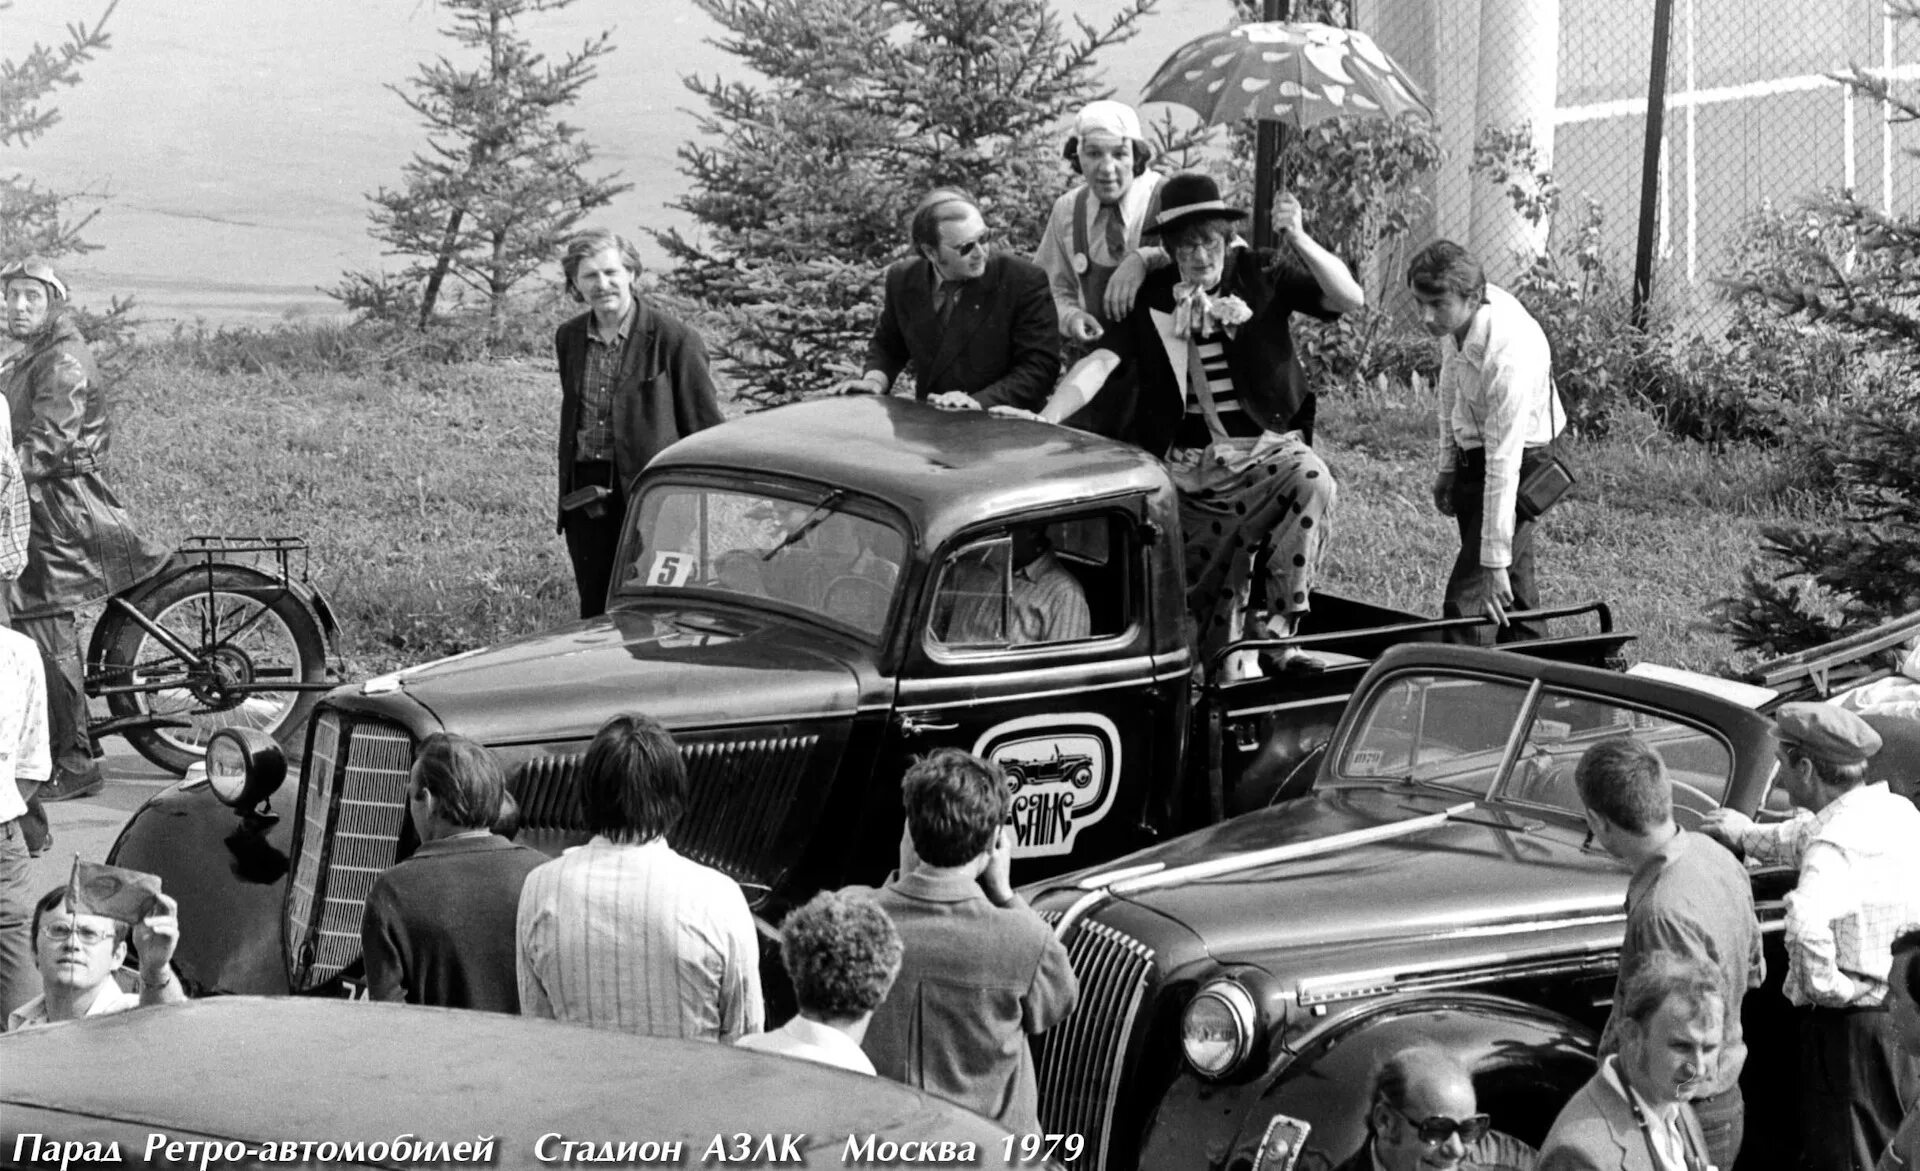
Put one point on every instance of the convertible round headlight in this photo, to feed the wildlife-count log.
(244, 766)
(1217, 1031)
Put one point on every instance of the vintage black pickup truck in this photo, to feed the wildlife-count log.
(787, 609)
(1437, 884)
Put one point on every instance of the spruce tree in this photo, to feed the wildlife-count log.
(1857, 271)
(503, 179)
(33, 219)
(801, 190)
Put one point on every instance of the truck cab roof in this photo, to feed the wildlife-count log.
(945, 470)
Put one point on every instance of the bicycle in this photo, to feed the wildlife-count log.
(228, 635)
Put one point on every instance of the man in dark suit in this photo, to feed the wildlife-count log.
(1633, 1114)
(632, 380)
(980, 971)
(977, 326)
(439, 927)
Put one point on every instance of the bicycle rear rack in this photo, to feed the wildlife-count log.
(282, 553)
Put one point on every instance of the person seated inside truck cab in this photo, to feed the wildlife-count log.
(1009, 592)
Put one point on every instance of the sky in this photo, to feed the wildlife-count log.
(232, 143)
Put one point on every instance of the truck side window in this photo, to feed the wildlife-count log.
(1031, 586)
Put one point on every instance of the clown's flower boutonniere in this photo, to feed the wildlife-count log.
(1231, 313)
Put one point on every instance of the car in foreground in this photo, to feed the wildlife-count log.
(338, 1083)
(1438, 883)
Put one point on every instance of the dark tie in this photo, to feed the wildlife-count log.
(943, 302)
(1109, 226)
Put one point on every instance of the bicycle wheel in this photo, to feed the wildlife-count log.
(246, 629)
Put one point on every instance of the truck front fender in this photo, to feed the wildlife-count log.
(228, 872)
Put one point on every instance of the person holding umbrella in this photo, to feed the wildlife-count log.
(1221, 397)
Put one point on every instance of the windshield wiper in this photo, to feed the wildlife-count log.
(808, 523)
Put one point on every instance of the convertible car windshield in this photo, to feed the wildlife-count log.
(822, 553)
(1457, 731)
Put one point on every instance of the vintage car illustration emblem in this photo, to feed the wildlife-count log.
(1060, 770)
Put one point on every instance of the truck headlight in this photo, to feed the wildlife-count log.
(244, 767)
(1217, 1030)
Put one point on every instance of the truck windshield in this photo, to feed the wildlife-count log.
(808, 551)
(1455, 731)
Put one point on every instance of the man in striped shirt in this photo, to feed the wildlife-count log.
(624, 933)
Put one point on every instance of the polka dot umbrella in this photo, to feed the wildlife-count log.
(1294, 72)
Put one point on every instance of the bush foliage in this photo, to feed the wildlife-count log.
(1843, 267)
(802, 187)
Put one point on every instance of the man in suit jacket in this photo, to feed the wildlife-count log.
(980, 971)
(632, 380)
(977, 326)
(1633, 1114)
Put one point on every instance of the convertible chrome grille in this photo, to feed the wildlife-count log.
(1079, 1061)
(353, 804)
(741, 795)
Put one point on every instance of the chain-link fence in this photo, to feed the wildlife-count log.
(1752, 121)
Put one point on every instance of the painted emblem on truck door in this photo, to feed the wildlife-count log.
(1061, 771)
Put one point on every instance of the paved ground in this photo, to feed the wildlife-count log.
(88, 826)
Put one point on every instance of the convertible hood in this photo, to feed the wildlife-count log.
(1479, 870)
(686, 668)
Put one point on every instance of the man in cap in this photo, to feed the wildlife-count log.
(1092, 249)
(976, 325)
(82, 547)
(1688, 896)
(1857, 850)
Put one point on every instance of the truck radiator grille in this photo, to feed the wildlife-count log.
(352, 807)
(1079, 1061)
(740, 796)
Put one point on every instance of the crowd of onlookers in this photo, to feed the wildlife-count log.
(939, 977)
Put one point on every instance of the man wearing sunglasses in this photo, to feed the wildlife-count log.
(1634, 1114)
(1424, 1116)
(977, 326)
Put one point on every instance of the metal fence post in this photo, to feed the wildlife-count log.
(1650, 161)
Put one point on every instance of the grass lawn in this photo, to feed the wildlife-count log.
(429, 503)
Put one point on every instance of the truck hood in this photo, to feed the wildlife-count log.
(1478, 873)
(688, 668)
